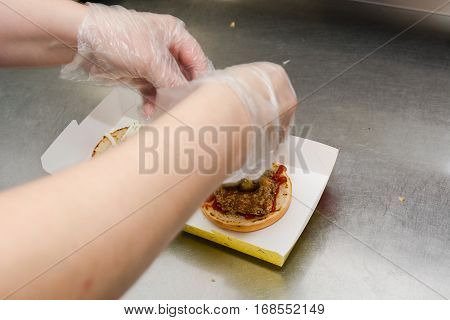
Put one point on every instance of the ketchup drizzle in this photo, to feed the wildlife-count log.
(211, 198)
(216, 206)
(249, 216)
(279, 180)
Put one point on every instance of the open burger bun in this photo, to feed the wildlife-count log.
(239, 223)
(107, 142)
(115, 137)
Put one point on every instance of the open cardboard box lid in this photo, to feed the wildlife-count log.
(309, 165)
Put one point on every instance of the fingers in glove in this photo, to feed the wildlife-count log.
(166, 73)
(190, 56)
(148, 93)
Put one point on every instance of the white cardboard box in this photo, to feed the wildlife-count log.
(309, 166)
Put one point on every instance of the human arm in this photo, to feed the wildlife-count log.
(100, 44)
(88, 232)
(39, 32)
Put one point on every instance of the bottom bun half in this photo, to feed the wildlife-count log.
(239, 223)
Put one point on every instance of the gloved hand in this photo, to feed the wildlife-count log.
(141, 49)
(268, 101)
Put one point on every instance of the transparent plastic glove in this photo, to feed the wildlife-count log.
(269, 102)
(139, 49)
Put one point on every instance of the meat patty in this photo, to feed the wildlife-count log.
(258, 202)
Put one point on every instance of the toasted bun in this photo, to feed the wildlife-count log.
(239, 223)
(105, 143)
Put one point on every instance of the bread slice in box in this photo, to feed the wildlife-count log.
(241, 222)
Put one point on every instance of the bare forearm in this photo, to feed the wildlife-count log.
(39, 32)
(118, 216)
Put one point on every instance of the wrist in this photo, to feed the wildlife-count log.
(212, 119)
(228, 114)
(76, 13)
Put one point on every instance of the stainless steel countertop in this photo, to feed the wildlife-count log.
(389, 115)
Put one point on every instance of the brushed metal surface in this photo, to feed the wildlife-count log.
(389, 115)
(419, 5)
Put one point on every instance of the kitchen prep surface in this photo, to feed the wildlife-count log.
(309, 166)
(382, 227)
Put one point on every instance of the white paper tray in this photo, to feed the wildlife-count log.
(309, 166)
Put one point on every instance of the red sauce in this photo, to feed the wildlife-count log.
(249, 216)
(211, 198)
(281, 169)
(216, 206)
(275, 199)
(279, 180)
